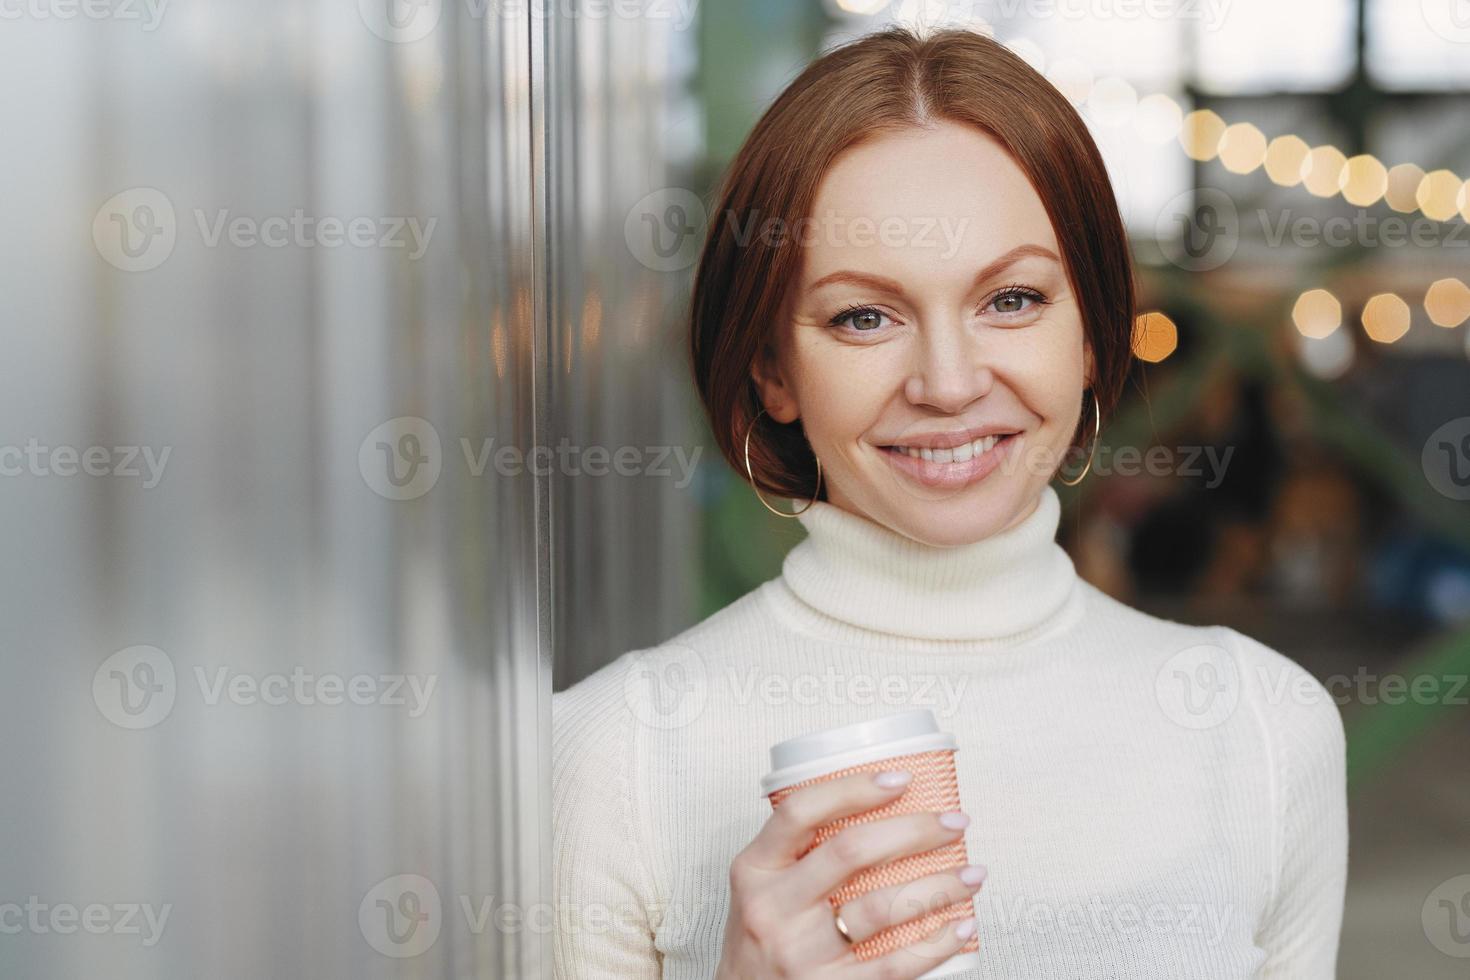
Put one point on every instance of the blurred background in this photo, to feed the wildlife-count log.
(344, 414)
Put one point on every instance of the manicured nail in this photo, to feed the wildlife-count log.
(954, 820)
(965, 929)
(893, 778)
(973, 874)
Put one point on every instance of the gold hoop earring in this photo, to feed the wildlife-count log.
(749, 473)
(1096, 431)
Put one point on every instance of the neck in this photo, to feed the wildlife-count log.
(866, 574)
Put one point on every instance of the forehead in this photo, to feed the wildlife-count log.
(949, 196)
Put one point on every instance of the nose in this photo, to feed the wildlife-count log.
(950, 370)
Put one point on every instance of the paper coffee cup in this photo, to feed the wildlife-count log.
(908, 740)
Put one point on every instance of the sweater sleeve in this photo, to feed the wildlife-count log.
(602, 891)
(1301, 928)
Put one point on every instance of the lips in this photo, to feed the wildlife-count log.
(960, 453)
(933, 473)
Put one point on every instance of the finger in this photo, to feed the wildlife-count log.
(915, 959)
(792, 825)
(868, 915)
(865, 845)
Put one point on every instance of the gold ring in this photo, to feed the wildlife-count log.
(841, 926)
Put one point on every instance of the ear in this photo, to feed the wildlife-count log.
(777, 394)
(1089, 366)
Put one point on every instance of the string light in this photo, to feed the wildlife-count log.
(1385, 318)
(1316, 313)
(1284, 159)
(1447, 302)
(1242, 148)
(1155, 337)
(1364, 180)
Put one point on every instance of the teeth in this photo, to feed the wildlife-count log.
(955, 454)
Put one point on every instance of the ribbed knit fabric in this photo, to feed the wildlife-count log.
(1155, 801)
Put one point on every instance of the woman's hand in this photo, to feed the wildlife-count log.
(781, 923)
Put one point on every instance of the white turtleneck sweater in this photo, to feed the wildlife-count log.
(1154, 801)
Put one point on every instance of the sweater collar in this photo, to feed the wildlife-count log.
(867, 575)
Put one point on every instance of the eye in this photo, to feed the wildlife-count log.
(862, 319)
(1014, 300)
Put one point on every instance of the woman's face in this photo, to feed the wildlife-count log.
(932, 302)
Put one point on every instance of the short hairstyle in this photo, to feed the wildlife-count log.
(882, 83)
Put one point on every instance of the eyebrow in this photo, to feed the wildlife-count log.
(989, 271)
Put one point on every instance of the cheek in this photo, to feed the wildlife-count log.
(1048, 376)
(841, 390)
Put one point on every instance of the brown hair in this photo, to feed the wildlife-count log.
(881, 83)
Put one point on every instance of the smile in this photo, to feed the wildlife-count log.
(952, 467)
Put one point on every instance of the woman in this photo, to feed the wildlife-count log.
(915, 297)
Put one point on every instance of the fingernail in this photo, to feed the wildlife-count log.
(954, 820)
(973, 874)
(893, 778)
(965, 929)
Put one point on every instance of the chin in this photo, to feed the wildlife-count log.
(962, 518)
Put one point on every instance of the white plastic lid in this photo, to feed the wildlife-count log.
(818, 753)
